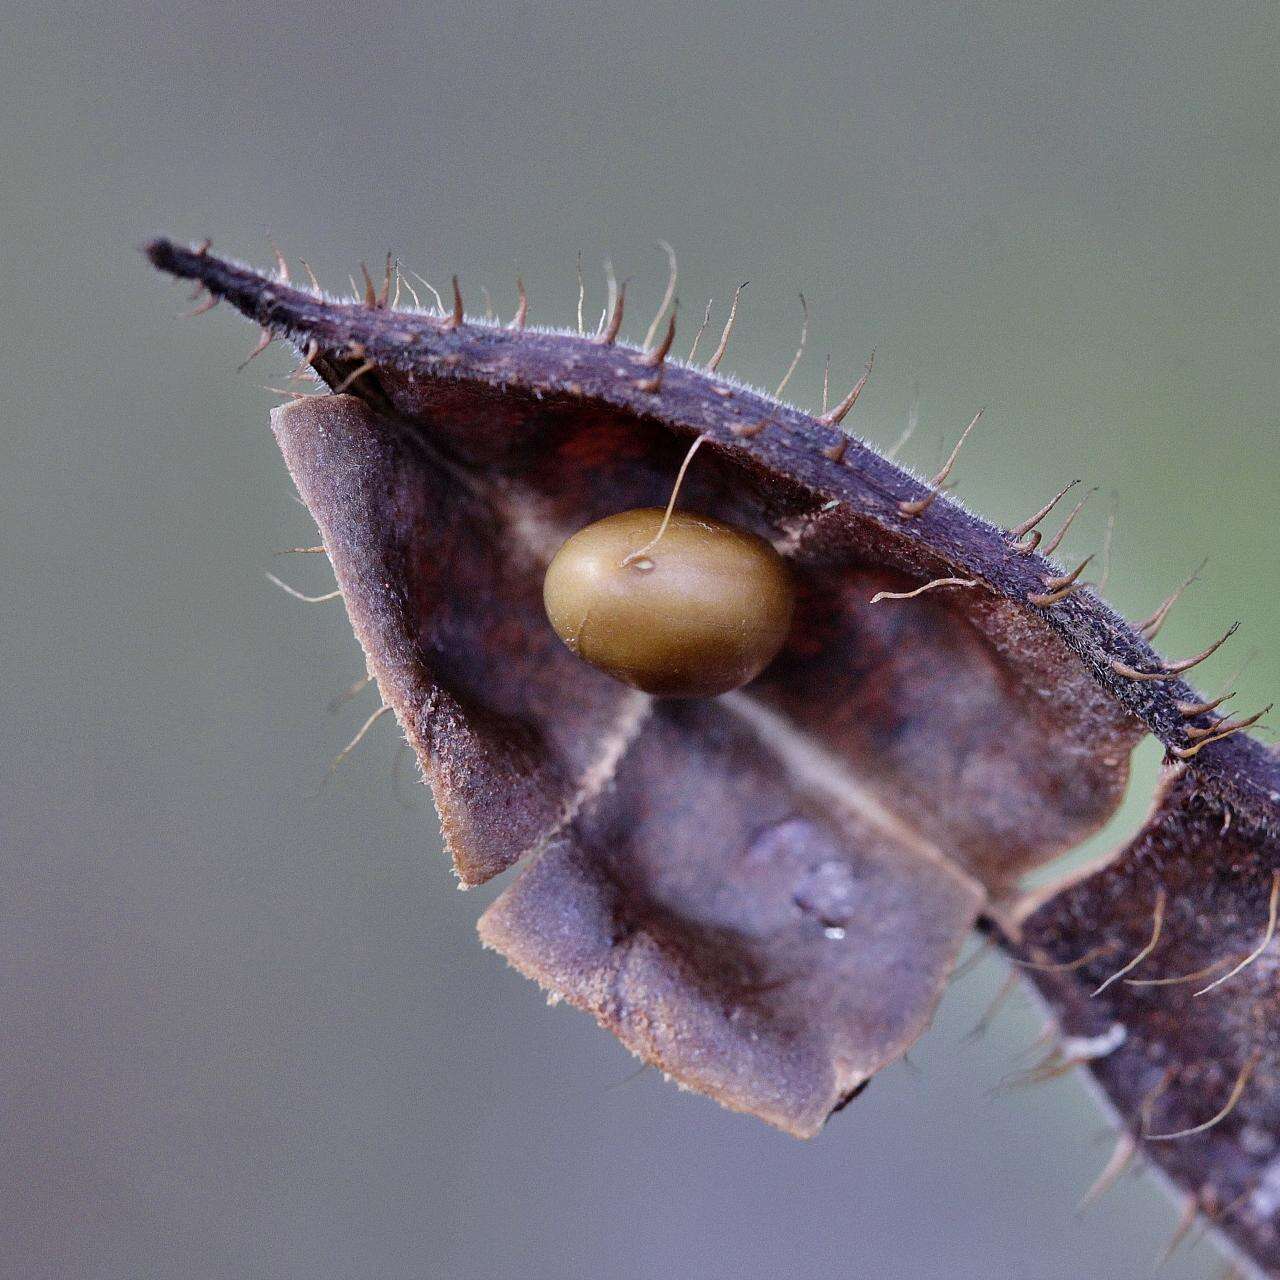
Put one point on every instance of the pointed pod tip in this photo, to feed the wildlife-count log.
(160, 252)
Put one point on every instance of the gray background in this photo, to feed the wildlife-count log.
(247, 1030)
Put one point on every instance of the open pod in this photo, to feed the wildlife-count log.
(762, 894)
(1160, 972)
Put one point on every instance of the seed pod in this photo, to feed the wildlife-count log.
(700, 611)
(764, 895)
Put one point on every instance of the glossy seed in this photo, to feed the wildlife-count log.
(704, 609)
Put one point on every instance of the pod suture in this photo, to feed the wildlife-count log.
(769, 890)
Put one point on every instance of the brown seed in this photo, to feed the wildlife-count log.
(703, 610)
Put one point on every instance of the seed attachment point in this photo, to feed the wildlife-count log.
(641, 554)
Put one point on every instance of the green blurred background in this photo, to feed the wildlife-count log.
(247, 1029)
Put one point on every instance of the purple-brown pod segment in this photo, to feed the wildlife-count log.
(764, 894)
(1186, 1043)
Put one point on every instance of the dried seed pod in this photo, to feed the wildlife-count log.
(764, 895)
(701, 611)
